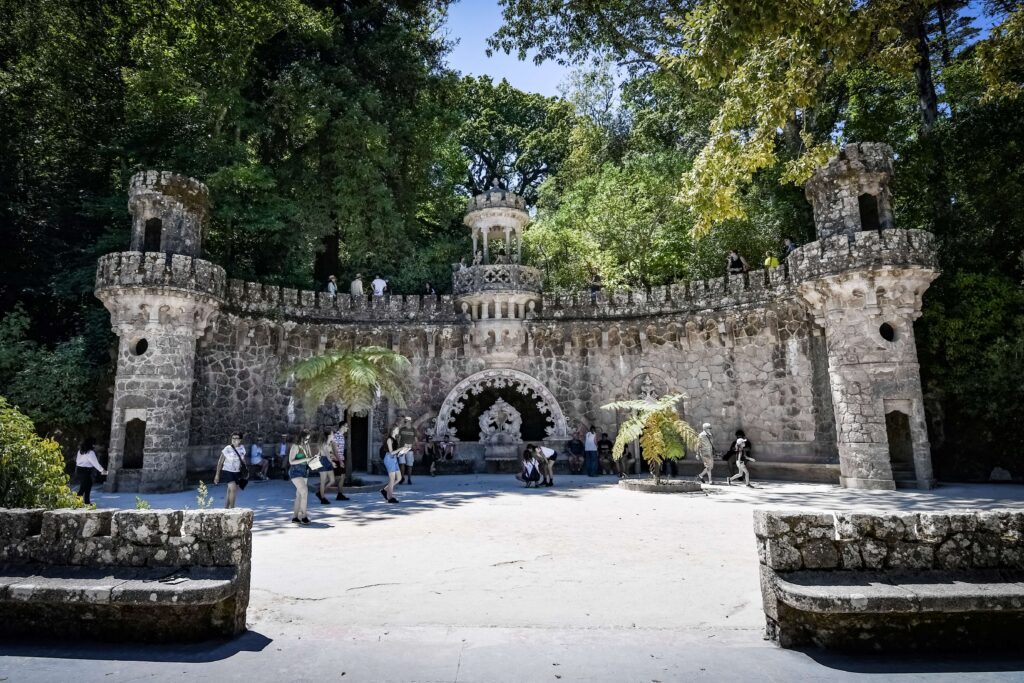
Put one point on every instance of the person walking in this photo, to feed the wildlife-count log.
(379, 285)
(326, 469)
(298, 457)
(332, 287)
(85, 463)
(743, 448)
(706, 452)
(392, 451)
(338, 449)
(590, 451)
(231, 464)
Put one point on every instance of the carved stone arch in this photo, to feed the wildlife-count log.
(664, 382)
(502, 378)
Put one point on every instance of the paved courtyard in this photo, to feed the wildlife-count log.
(471, 578)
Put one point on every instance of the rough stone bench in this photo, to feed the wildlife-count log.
(502, 465)
(455, 466)
(895, 582)
(126, 575)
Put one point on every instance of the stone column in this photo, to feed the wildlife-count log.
(487, 253)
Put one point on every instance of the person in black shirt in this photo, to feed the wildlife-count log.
(604, 454)
(575, 447)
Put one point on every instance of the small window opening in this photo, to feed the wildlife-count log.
(888, 332)
(140, 347)
(151, 240)
(868, 206)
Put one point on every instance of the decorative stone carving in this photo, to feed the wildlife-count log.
(501, 423)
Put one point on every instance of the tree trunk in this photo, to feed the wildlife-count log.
(927, 100)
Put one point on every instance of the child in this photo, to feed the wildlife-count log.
(742, 448)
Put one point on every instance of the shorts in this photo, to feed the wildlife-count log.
(339, 469)
(391, 463)
(299, 471)
(407, 459)
(227, 477)
(708, 462)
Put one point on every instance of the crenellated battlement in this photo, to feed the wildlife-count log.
(188, 190)
(158, 270)
(863, 251)
(496, 198)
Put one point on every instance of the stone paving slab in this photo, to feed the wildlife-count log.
(472, 578)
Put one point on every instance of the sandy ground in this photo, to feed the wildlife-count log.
(471, 578)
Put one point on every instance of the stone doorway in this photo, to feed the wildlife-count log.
(901, 447)
(134, 444)
(359, 436)
(152, 236)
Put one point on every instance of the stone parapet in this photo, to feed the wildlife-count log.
(188, 191)
(497, 278)
(494, 198)
(257, 299)
(864, 251)
(134, 269)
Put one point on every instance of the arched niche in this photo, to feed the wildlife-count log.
(518, 381)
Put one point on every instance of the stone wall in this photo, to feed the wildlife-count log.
(137, 575)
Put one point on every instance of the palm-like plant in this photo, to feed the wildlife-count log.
(355, 378)
(663, 435)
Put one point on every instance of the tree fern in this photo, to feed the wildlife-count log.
(662, 434)
(354, 378)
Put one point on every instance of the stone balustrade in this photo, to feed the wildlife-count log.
(159, 270)
(502, 277)
(125, 574)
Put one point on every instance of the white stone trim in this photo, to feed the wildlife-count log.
(500, 378)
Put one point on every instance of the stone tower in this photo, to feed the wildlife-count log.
(161, 297)
(497, 293)
(864, 282)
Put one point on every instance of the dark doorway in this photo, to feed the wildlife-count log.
(359, 428)
(901, 446)
(151, 240)
(134, 444)
(869, 218)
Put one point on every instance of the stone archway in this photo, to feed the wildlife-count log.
(525, 384)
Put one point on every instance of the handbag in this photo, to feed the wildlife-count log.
(243, 471)
(315, 464)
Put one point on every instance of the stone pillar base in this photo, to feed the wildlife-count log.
(861, 483)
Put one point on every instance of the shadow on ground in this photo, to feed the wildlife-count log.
(195, 653)
(921, 663)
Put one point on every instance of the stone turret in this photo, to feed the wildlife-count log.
(161, 299)
(168, 213)
(851, 192)
(497, 293)
(864, 288)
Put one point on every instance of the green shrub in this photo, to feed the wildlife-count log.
(31, 467)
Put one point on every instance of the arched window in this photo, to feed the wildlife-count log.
(868, 206)
(151, 239)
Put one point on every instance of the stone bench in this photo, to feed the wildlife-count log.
(503, 464)
(894, 582)
(126, 575)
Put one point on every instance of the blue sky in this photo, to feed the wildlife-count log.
(472, 22)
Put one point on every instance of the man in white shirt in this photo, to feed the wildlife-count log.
(379, 285)
(356, 288)
(256, 458)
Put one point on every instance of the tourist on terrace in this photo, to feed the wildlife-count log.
(742, 449)
(596, 285)
(770, 260)
(788, 247)
(478, 257)
(326, 470)
(530, 472)
(298, 457)
(706, 452)
(85, 463)
(428, 290)
(575, 447)
(230, 465)
(338, 457)
(356, 286)
(379, 285)
(332, 287)
(590, 451)
(735, 264)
